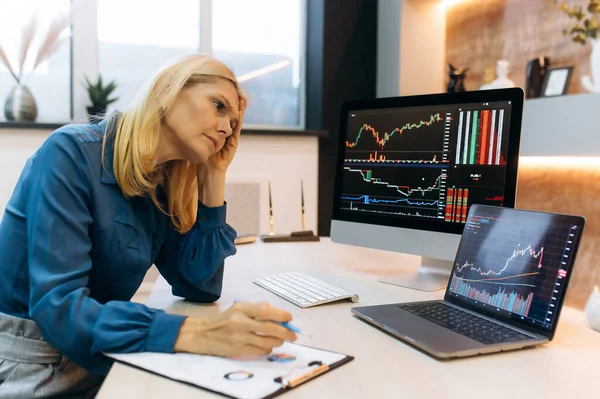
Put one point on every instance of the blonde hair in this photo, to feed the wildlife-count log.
(138, 132)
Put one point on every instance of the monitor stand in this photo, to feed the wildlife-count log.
(433, 275)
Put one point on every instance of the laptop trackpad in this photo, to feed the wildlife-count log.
(417, 329)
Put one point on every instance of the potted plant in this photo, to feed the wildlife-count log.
(99, 96)
(586, 28)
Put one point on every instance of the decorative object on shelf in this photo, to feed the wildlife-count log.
(535, 76)
(99, 94)
(488, 75)
(592, 309)
(586, 27)
(557, 81)
(502, 81)
(20, 104)
(457, 79)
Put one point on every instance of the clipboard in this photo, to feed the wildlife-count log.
(264, 377)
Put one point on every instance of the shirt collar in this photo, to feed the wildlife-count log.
(108, 128)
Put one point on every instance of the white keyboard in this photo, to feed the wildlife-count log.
(303, 290)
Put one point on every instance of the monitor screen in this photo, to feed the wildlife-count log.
(422, 166)
(516, 264)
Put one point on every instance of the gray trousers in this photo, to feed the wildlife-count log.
(31, 368)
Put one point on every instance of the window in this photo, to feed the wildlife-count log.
(50, 83)
(129, 40)
(137, 37)
(261, 40)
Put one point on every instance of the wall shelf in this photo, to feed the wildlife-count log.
(561, 126)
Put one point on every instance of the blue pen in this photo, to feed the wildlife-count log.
(292, 328)
(289, 327)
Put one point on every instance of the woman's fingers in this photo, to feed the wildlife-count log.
(238, 126)
(263, 342)
(251, 351)
(263, 311)
(270, 329)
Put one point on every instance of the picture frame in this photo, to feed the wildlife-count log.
(557, 81)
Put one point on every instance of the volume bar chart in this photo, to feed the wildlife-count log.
(511, 301)
(379, 157)
(479, 140)
(456, 205)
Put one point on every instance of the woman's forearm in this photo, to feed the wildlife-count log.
(200, 173)
(211, 191)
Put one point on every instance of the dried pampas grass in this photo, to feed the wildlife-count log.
(6, 63)
(27, 36)
(50, 44)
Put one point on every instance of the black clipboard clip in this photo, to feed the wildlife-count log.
(313, 372)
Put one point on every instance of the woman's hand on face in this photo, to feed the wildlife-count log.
(222, 159)
(245, 329)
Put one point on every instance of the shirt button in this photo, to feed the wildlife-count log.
(204, 218)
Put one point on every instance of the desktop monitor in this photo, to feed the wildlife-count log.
(409, 168)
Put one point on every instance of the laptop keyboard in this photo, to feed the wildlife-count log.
(464, 323)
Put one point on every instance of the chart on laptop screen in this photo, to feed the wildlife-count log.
(513, 265)
(425, 162)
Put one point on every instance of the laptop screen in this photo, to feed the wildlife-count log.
(515, 264)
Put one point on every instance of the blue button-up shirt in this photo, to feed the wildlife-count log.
(74, 250)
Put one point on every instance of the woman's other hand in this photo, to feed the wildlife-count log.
(221, 160)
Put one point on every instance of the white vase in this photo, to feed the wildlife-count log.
(593, 83)
(592, 310)
(20, 105)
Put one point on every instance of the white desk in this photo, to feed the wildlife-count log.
(384, 367)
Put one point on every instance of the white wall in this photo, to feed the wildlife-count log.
(16, 146)
(411, 57)
(283, 161)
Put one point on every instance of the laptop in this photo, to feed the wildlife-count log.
(505, 291)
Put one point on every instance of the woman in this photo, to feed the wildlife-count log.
(95, 207)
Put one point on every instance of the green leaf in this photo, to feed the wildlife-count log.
(88, 84)
(591, 24)
(580, 38)
(98, 93)
(565, 8)
(108, 89)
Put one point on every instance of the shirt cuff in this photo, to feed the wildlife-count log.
(211, 218)
(164, 330)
